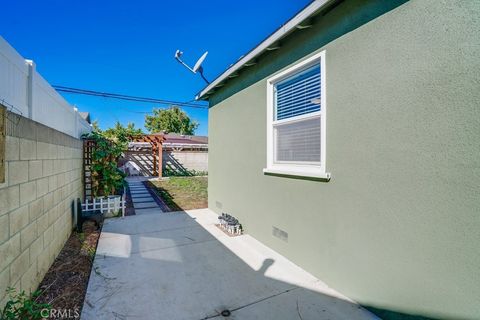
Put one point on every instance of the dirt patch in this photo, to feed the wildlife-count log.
(65, 284)
(129, 210)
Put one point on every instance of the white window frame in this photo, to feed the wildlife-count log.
(303, 169)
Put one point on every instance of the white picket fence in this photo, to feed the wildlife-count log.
(107, 205)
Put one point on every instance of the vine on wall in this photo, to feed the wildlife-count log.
(107, 179)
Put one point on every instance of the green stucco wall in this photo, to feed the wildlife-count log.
(398, 226)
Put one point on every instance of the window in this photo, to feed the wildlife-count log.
(296, 111)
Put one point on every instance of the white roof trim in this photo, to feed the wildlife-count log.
(276, 36)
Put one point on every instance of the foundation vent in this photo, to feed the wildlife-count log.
(218, 204)
(280, 234)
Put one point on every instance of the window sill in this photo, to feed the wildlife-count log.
(299, 173)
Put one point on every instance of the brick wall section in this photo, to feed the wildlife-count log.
(43, 178)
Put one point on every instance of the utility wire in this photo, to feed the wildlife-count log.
(10, 106)
(127, 97)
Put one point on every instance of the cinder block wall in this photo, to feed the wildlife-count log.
(43, 178)
(174, 160)
(190, 160)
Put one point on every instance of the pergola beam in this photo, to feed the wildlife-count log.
(156, 141)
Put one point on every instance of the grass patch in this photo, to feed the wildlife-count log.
(182, 193)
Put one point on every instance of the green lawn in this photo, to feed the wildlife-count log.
(183, 193)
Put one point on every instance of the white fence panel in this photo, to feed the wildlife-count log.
(24, 91)
(13, 78)
(63, 117)
(112, 205)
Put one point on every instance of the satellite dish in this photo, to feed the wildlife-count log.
(197, 67)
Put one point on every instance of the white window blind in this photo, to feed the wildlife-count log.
(297, 117)
(298, 141)
(294, 95)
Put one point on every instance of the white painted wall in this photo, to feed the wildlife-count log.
(24, 91)
(13, 78)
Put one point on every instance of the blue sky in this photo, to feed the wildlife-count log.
(127, 47)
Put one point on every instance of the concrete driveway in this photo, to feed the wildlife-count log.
(180, 266)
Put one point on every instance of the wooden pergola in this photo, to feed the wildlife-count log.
(156, 141)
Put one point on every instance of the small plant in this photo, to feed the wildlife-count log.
(23, 306)
(90, 251)
(87, 249)
(80, 236)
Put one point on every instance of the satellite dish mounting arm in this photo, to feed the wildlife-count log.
(178, 54)
(198, 65)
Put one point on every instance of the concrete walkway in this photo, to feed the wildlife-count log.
(180, 266)
(143, 202)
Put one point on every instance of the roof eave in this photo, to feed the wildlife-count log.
(266, 45)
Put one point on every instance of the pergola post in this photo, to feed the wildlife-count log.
(154, 160)
(160, 164)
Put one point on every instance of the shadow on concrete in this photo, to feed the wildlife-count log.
(180, 266)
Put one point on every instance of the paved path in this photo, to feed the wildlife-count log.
(179, 265)
(143, 202)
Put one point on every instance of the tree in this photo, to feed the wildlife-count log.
(170, 120)
(122, 134)
(96, 126)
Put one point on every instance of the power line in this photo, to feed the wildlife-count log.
(127, 97)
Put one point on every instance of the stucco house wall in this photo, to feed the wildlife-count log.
(397, 226)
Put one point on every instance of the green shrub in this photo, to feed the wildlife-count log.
(107, 178)
(23, 306)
